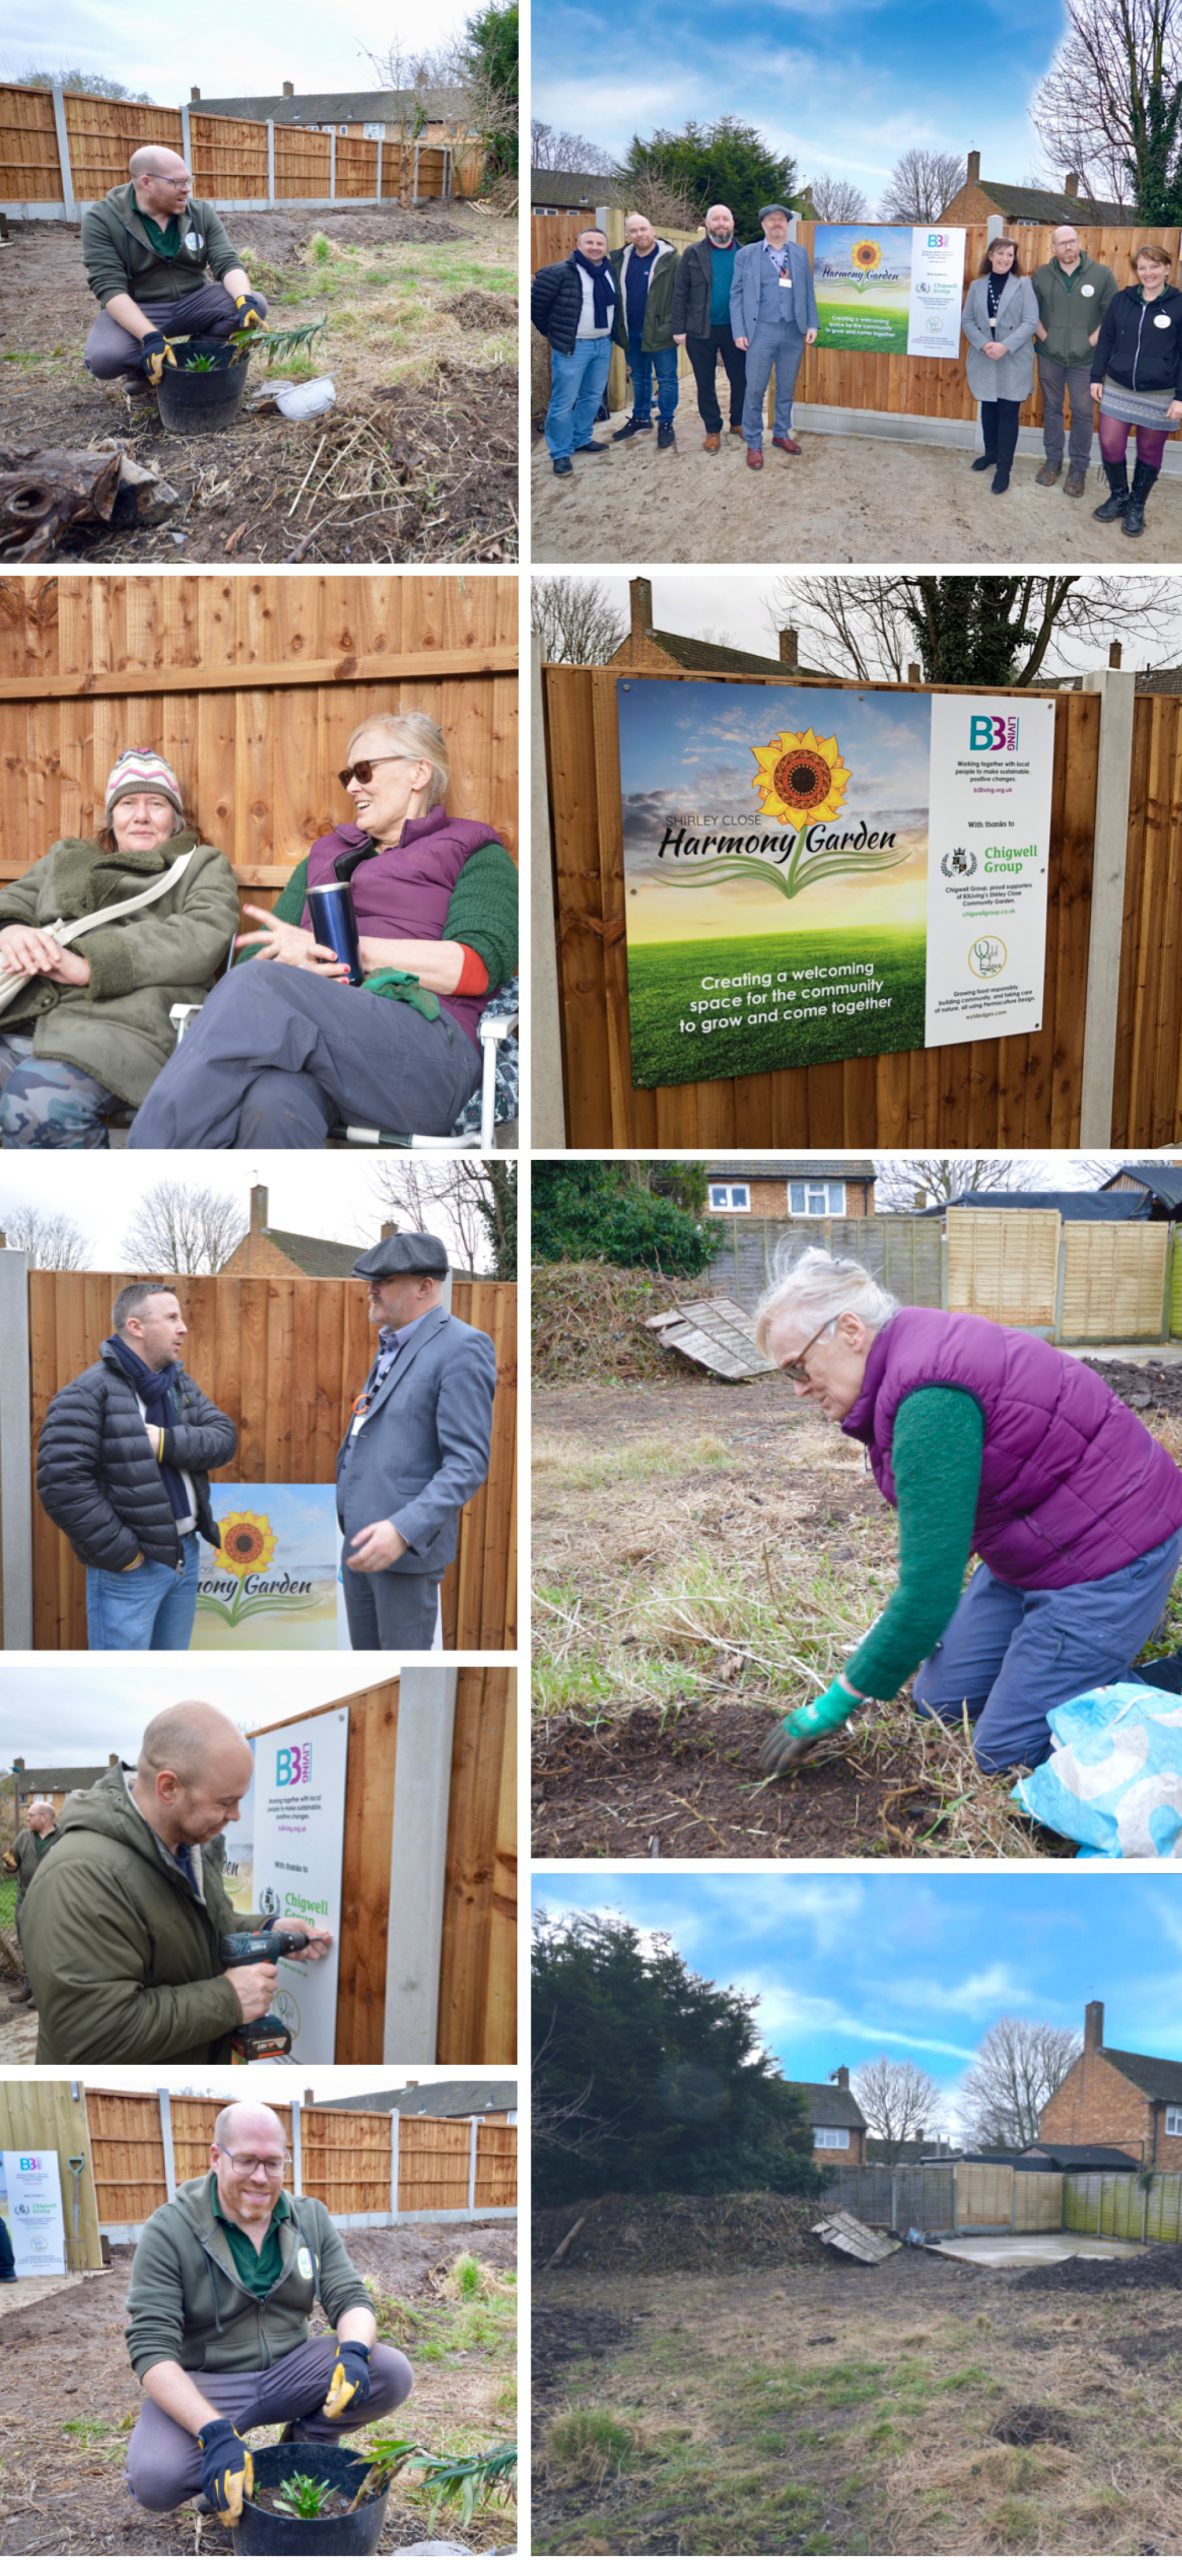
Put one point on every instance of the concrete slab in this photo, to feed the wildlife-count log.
(1169, 1353)
(30, 2289)
(1033, 2248)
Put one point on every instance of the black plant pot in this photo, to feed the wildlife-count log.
(200, 404)
(260, 2530)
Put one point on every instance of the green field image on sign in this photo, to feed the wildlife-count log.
(849, 996)
(862, 277)
(871, 327)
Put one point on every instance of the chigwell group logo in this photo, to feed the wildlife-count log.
(960, 864)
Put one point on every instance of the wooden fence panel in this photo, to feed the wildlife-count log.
(904, 1253)
(102, 133)
(1114, 2205)
(478, 1969)
(1004, 1263)
(1013, 1092)
(1114, 1281)
(1038, 2200)
(346, 2158)
(29, 169)
(1147, 1094)
(983, 2194)
(254, 1345)
(302, 161)
(433, 2161)
(357, 166)
(128, 2151)
(229, 156)
(553, 235)
(346, 2155)
(50, 2115)
(496, 2165)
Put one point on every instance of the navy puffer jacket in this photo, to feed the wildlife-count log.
(98, 1479)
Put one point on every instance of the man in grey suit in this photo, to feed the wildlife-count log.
(416, 1449)
(773, 320)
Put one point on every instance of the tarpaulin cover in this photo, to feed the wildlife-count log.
(1114, 1778)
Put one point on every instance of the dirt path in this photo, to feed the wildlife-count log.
(846, 498)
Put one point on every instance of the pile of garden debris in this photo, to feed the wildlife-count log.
(1160, 2267)
(1149, 1386)
(700, 2233)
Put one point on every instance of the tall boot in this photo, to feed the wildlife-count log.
(1008, 412)
(1117, 476)
(1143, 480)
(987, 459)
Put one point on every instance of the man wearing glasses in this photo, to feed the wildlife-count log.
(158, 261)
(223, 2281)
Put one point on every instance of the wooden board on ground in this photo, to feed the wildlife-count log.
(714, 1332)
(844, 2231)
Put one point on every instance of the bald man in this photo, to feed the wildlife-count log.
(702, 321)
(120, 1928)
(223, 2280)
(158, 261)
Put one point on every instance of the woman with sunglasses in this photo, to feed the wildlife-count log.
(987, 1441)
(278, 1055)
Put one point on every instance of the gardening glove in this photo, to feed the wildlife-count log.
(155, 353)
(799, 1733)
(227, 2471)
(251, 314)
(350, 2380)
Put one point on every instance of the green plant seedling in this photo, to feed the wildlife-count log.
(302, 2494)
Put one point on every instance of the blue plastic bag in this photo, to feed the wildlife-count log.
(1114, 1778)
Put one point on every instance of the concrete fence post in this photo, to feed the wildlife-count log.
(418, 1864)
(297, 2148)
(166, 2138)
(16, 1455)
(271, 162)
(378, 197)
(994, 227)
(1117, 690)
(187, 141)
(394, 2206)
(548, 1114)
(474, 2131)
(332, 164)
(415, 180)
(63, 151)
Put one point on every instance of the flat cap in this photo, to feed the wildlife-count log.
(392, 1254)
(785, 209)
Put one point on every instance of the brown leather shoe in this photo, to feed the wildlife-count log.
(787, 444)
(1046, 478)
(1076, 481)
(713, 444)
(754, 458)
(736, 431)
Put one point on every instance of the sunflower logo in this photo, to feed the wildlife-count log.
(866, 255)
(801, 778)
(248, 1543)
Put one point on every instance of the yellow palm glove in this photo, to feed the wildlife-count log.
(251, 314)
(155, 353)
(350, 2379)
(227, 2471)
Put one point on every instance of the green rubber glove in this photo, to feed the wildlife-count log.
(792, 1739)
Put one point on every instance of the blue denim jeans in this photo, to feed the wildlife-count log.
(1010, 1655)
(150, 1610)
(642, 368)
(577, 385)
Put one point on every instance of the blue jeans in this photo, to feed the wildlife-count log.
(771, 348)
(577, 385)
(1010, 1655)
(642, 367)
(148, 1611)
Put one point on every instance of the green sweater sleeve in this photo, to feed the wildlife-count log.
(289, 905)
(936, 1456)
(482, 911)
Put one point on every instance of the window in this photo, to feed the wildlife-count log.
(730, 1195)
(816, 1199)
(1174, 2119)
(830, 2137)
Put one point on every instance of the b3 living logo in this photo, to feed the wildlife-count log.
(938, 239)
(293, 1765)
(991, 734)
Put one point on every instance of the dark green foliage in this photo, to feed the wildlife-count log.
(648, 2078)
(595, 1212)
(489, 55)
(81, 84)
(496, 1203)
(969, 630)
(722, 163)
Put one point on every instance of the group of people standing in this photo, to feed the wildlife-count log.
(754, 308)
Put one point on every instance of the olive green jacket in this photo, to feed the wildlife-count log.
(117, 1027)
(119, 256)
(25, 1856)
(121, 1953)
(188, 2305)
(658, 309)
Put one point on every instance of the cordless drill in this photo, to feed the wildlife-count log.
(260, 2039)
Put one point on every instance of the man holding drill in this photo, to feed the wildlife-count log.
(122, 1926)
(224, 2278)
(160, 264)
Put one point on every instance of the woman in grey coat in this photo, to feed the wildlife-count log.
(999, 320)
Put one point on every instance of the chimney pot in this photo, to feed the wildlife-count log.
(389, 1227)
(640, 596)
(1071, 183)
(289, 89)
(1114, 653)
(789, 647)
(258, 1208)
(914, 672)
(973, 169)
(1093, 2026)
(194, 95)
(841, 2075)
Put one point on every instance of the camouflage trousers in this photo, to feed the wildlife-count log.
(44, 1103)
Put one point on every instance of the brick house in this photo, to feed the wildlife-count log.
(839, 2126)
(795, 1187)
(652, 652)
(1028, 206)
(267, 1252)
(1131, 2100)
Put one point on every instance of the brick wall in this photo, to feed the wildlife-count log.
(1095, 2103)
(769, 1199)
(854, 2158)
(257, 1257)
(971, 205)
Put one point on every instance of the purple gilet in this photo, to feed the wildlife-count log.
(403, 894)
(1073, 1486)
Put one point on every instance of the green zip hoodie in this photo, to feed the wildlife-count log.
(119, 256)
(1071, 307)
(187, 2303)
(121, 1953)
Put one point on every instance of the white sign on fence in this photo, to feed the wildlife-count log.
(36, 2222)
(299, 1843)
(937, 292)
(989, 841)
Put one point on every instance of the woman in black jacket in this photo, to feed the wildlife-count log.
(1137, 379)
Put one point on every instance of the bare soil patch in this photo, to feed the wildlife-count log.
(1161, 2267)
(1151, 1387)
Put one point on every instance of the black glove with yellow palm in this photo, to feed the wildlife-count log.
(227, 2471)
(252, 312)
(350, 2379)
(155, 353)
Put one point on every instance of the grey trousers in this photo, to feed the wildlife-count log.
(390, 1612)
(206, 313)
(276, 1056)
(777, 348)
(164, 2460)
(1075, 380)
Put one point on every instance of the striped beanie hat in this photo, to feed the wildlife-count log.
(139, 769)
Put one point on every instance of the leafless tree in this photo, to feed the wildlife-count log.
(1020, 2063)
(1116, 75)
(921, 184)
(52, 1241)
(575, 621)
(185, 1227)
(836, 199)
(570, 152)
(478, 1198)
(899, 2101)
(903, 1183)
(861, 627)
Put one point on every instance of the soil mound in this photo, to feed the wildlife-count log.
(476, 310)
(651, 2233)
(1031, 2426)
(1159, 2268)
(588, 1323)
(1149, 1386)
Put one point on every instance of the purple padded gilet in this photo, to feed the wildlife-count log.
(403, 895)
(1073, 1486)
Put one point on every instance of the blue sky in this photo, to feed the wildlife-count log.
(850, 1965)
(839, 89)
(229, 52)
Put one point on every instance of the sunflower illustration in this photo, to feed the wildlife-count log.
(248, 1543)
(801, 778)
(866, 255)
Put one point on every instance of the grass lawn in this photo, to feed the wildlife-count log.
(764, 1030)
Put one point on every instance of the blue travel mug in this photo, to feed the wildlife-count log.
(334, 922)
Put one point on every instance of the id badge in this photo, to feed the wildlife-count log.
(785, 282)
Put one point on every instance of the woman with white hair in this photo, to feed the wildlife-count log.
(278, 1055)
(990, 1441)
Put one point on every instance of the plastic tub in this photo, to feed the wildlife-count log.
(200, 404)
(306, 399)
(261, 2531)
